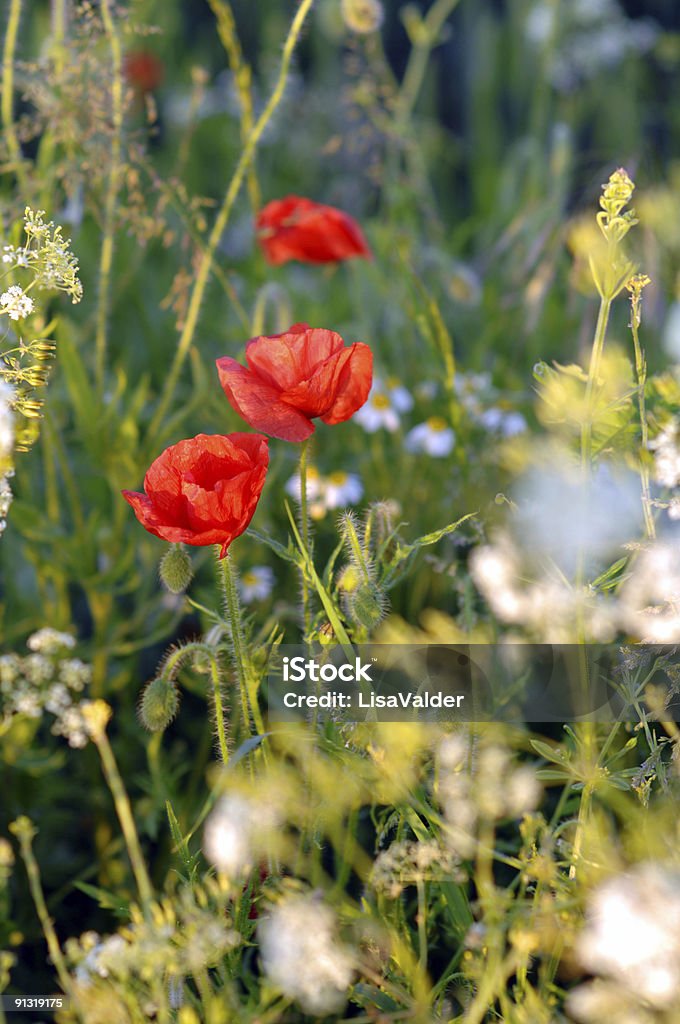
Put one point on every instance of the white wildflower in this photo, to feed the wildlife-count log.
(632, 933)
(674, 508)
(38, 669)
(379, 412)
(548, 607)
(58, 699)
(406, 862)
(569, 519)
(666, 448)
(338, 490)
(16, 303)
(100, 958)
(503, 421)
(341, 489)
(70, 724)
(28, 703)
(256, 584)
(75, 674)
(487, 786)
(314, 486)
(523, 791)
(49, 641)
(434, 438)
(6, 420)
(237, 832)
(671, 332)
(400, 397)
(302, 957)
(650, 597)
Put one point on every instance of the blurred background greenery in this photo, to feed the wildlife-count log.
(465, 158)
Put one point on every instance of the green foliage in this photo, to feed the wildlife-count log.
(225, 868)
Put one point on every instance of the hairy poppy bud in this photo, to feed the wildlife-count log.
(159, 704)
(367, 605)
(175, 569)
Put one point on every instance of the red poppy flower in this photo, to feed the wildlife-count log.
(143, 70)
(203, 490)
(295, 228)
(294, 377)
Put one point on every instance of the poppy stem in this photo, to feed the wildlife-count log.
(304, 526)
(246, 681)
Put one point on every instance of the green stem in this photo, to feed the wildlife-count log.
(242, 76)
(593, 373)
(304, 527)
(203, 274)
(422, 925)
(246, 680)
(419, 59)
(125, 817)
(219, 709)
(106, 257)
(170, 667)
(24, 830)
(641, 372)
(7, 108)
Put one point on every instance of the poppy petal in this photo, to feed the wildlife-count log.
(259, 404)
(353, 386)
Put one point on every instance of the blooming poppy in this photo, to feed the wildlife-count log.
(203, 490)
(294, 377)
(295, 228)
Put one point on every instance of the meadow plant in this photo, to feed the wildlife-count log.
(173, 850)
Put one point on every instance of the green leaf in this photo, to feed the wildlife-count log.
(246, 747)
(432, 538)
(288, 554)
(85, 406)
(326, 600)
(106, 900)
(554, 754)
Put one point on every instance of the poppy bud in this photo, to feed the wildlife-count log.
(175, 570)
(159, 704)
(367, 605)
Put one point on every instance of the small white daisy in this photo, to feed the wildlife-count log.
(470, 388)
(16, 303)
(499, 420)
(379, 411)
(399, 396)
(342, 489)
(433, 437)
(292, 486)
(256, 584)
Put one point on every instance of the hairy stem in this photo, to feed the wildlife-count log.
(305, 530)
(246, 680)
